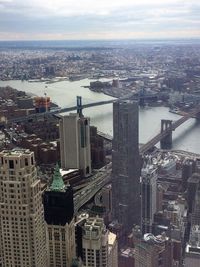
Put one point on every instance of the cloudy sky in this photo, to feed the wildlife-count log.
(98, 19)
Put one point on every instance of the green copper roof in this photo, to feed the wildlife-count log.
(75, 263)
(57, 184)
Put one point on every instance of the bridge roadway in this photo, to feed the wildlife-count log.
(105, 136)
(57, 111)
(144, 148)
(63, 110)
(163, 134)
(98, 181)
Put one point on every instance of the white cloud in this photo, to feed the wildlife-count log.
(81, 7)
(86, 18)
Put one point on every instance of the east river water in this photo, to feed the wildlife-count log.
(186, 137)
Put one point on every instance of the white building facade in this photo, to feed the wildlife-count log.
(75, 143)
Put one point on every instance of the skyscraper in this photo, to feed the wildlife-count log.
(95, 243)
(148, 196)
(126, 164)
(75, 143)
(98, 244)
(59, 216)
(22, 232)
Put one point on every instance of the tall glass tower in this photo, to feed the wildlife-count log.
(126, 164)
(148, 196)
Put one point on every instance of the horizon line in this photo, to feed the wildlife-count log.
(101, 39)
(172, 39)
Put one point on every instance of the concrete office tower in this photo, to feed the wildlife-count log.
(22, 233)
(148, 196)
(154, 251)
(59, 216)
(95, 243)
(75, 143)
(126, 164)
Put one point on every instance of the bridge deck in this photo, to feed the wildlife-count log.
(62, 110)
(163, 134)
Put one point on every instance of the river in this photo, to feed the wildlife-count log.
(186, 137)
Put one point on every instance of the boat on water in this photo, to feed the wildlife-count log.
(76, 78)
(38, 80)
(34, 81)
(174, 110)
(56, 80)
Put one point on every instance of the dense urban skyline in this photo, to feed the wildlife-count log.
(50, 20)
(78, 195)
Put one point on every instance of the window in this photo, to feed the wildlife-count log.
(63, 236)
(50, 235)
(26, 162)
(56, 236)
(11, 164)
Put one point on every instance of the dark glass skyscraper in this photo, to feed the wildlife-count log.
(126, 164)
(148, 197)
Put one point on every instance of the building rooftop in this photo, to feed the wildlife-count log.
(194, 242)
(194, 179)
(65, 172)
(111, 238)
(128, 252)
(94, 227)
(16, 152)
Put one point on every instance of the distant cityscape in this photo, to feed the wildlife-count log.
(74, 196)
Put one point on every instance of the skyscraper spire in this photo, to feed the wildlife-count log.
(57, 184)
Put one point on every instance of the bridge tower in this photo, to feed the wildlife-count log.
(79, 105)
(166, 142)
(142, 98)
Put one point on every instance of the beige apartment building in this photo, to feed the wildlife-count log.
(61, 244)
(22, 232)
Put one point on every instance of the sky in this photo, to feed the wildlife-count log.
(99, 19)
